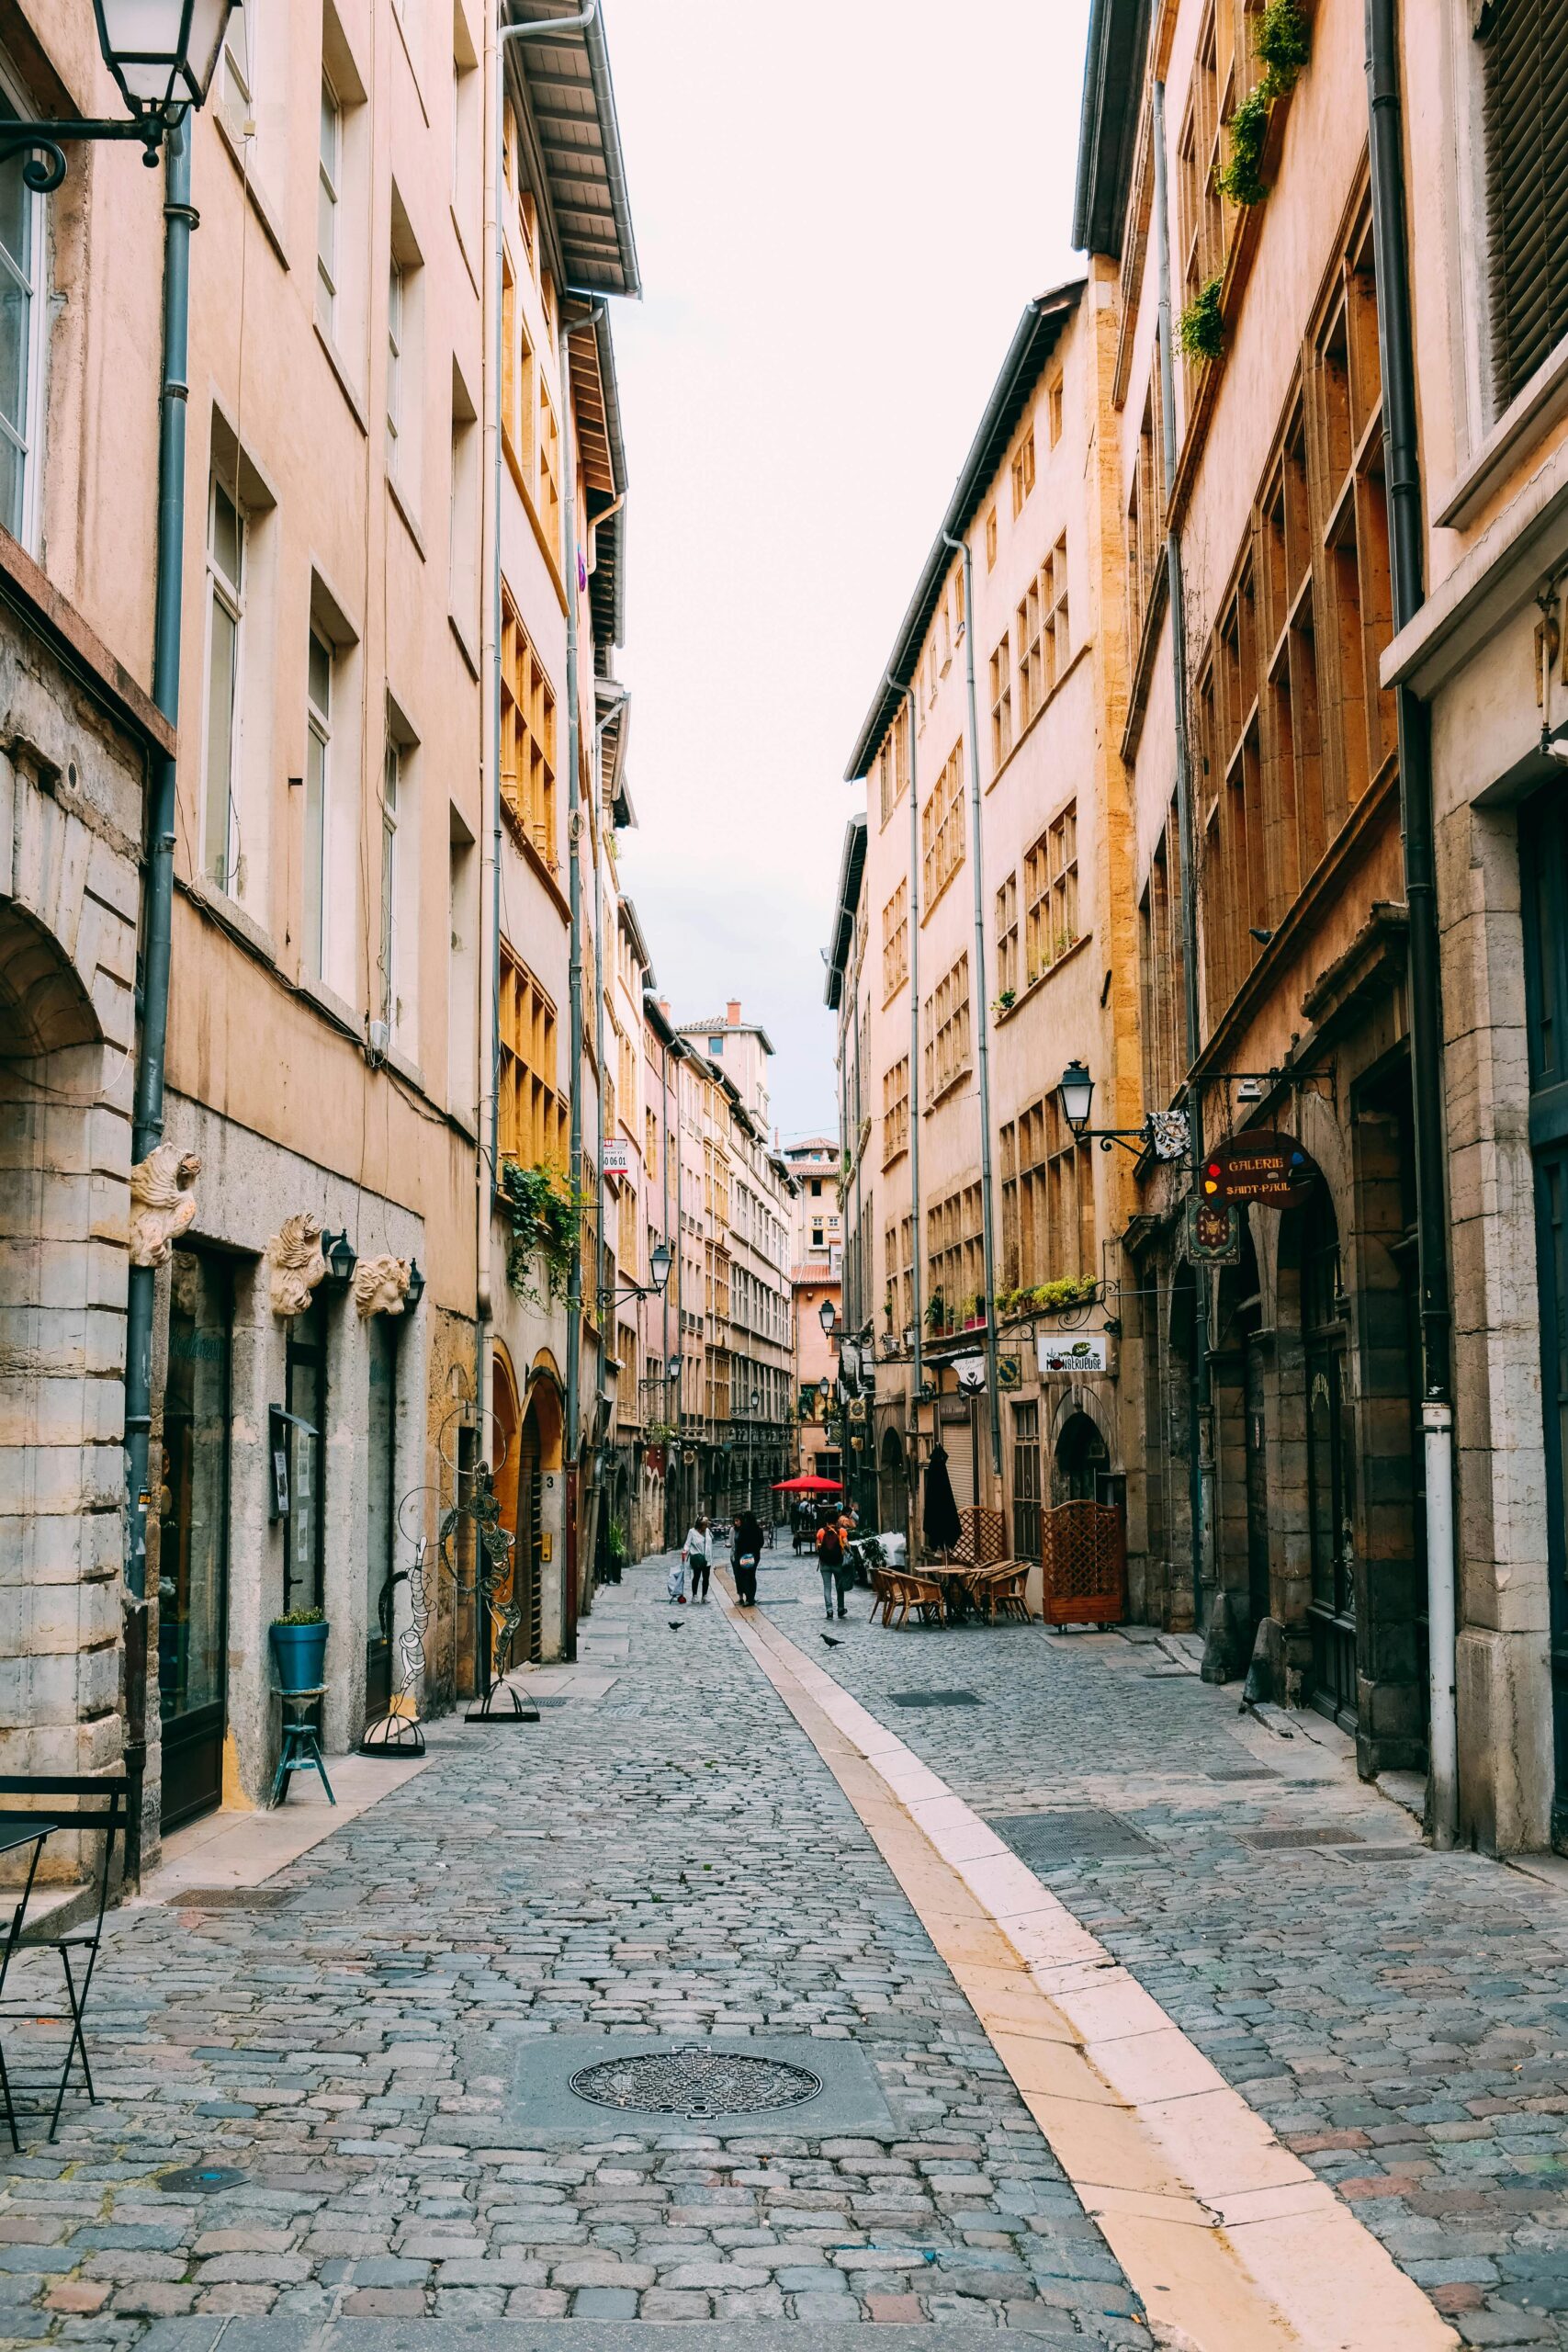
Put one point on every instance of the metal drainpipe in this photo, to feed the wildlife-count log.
(1199, 1368)
(982, 1010)
(916, 1238)
(542, 29)
(1402, 447)
(601, 1348)
(574, 877)
(147, 1123)
(675, 1267)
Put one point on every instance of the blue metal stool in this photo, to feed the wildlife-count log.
(301, 1745)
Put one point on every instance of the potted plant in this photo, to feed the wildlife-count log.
(300, 1649)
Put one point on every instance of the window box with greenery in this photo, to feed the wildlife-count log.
(300, 1649)
(1049, 1298)
(1201, 329)
(545, 1215)
(936, 1312)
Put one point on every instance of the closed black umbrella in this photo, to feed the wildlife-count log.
(938, 1516)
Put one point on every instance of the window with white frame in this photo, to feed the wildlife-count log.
(23, 324)
(329, 191)
(237, 84)
(318, 788)
(225, 618)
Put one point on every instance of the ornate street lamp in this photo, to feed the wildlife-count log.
(415, 1290)
(1164, 1133)
(1076, 1092)
(162, 54)
(660, 1260)
(827, 1314)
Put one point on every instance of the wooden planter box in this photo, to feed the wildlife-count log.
(1083, 1551)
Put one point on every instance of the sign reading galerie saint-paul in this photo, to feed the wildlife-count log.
(1263, 1166)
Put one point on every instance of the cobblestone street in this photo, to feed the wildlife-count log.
(671, 1857)
(366, 2037)
(1398, 2016)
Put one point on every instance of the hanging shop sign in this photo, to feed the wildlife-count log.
(617, 1159)
(1264, 1167)
(1010, 1371)
(1086, 1353)
(1213, 1232)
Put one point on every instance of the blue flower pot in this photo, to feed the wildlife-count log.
(298, 1652)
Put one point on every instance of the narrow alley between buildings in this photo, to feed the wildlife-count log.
(1043, 2047)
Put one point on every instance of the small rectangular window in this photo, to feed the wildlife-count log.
(329, 188)
(318, 746)
(395, 291)
(391, 780)
(225, 578)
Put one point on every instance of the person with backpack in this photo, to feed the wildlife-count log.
(744, 1553)
(833, 1561)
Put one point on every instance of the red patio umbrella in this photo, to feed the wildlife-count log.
(807, 1487)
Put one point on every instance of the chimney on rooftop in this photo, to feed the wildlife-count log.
(732, 1012)
(664, 1006)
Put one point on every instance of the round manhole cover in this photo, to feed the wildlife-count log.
(693, 2082)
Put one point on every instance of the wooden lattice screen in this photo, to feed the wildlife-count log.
(1084, 1558)
(983, 1541)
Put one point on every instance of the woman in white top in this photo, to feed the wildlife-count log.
(694, 1556)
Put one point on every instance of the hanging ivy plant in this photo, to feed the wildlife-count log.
(1200, 330)
(1239, 177)
(544, 1213)
(1283, 43)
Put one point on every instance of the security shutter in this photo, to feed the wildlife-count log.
(1527, 173)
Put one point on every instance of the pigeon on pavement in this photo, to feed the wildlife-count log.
(834, 1641)
(677, 1624)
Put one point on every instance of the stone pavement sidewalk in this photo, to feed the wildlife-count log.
(1399, 2018)
(368, 2041)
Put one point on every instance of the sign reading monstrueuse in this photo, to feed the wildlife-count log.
(1262, 1166)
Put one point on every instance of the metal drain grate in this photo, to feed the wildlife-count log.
(1241, 1772)
(1410, 1853)
(201, 2180)
(227, 1898)
(695, 2082)
(1318, 1834)
(934, 1698)
(1050, 1841)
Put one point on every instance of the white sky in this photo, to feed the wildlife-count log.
(840, 211)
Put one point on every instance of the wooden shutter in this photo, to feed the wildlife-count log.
(1526, 174)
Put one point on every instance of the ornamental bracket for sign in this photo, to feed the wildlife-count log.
(1257, 1085)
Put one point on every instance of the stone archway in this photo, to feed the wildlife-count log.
(64, 1204)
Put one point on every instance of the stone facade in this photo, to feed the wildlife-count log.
(75, 742)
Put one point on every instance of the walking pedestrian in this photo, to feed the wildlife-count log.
(744, 1553)
(694, 1556)
(833, 1561)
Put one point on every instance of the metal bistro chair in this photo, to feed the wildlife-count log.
(109, 1816)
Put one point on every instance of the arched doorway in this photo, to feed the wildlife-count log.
(538, 1456)
(1238, 1367)
(1082, 1462)
(893, 1485)
(504, 1435)
(1309, 1252)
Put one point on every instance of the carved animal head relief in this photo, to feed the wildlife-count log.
(162, 1202)
(381, 1286)
(294, 1254)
